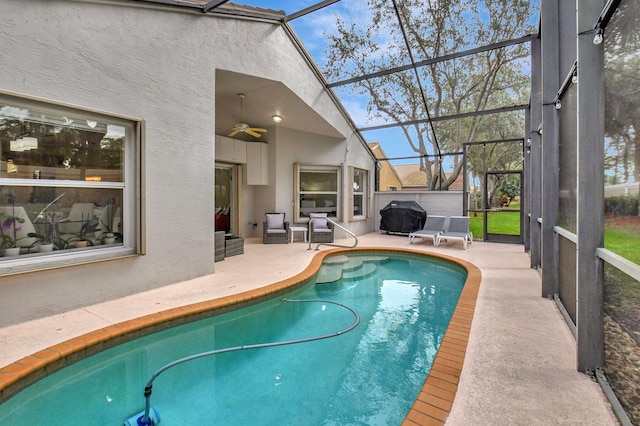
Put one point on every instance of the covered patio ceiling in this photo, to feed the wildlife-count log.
(419, 77)
(264, 99)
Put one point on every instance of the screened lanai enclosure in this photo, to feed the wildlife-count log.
(528, 109)
(424, 79)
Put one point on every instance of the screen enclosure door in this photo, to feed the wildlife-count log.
(502, 215)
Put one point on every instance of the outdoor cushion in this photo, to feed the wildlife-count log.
(319, 221)
(275, 221)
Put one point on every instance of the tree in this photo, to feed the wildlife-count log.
(436, 28)
(509, 190)
(622, 96)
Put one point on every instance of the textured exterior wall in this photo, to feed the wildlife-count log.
(440, 203)
(157, 65)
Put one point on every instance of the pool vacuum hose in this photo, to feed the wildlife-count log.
(150, 415)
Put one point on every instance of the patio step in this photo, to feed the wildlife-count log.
(329, 274)
(365, 270)
(335, 268)
(335, 260)
(374, 258)
(353, 264)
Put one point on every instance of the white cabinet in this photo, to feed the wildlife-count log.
(252, 154)
(256, 172)
(231, 150)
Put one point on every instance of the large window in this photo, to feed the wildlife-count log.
(318, 191)
(359, 193)
(68, 180)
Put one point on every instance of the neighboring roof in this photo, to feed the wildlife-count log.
(378, 152)
(375, 146)
(410, 174)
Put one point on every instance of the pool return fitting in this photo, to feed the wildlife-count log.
(151, 417)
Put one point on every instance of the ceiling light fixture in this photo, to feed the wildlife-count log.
(276, 119)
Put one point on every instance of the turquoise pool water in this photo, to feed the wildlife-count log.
(370, 375)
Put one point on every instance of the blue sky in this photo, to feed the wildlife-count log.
(312, 30)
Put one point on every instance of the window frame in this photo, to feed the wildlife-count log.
(364, 192)
(301, 168)
(132, 187)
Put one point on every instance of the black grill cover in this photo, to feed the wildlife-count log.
(402, 217)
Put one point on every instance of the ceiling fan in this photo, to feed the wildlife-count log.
(242, 127)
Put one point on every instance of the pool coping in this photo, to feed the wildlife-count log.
(432, 405)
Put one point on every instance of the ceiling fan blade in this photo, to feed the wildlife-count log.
(252, 133)
(235, 132)
(258, 129)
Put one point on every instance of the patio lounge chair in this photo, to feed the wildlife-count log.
(458, 230)
(433, 227)
(274, 229)
(320, 229)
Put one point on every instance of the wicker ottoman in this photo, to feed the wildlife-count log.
(234, 246)
(219, 246)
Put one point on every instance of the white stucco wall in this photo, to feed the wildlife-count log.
(159, 66)
(439, 203)
(295, 147)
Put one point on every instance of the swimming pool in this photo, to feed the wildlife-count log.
(272, 385)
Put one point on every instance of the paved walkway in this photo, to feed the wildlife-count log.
(520, 363)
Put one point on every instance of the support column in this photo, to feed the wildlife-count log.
(535, 157)
(590, 214)
(550, 162)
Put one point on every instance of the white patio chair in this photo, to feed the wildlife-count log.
(433, 227)
(458, 229)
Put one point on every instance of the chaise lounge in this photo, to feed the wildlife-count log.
(458, 229)
(433, 227)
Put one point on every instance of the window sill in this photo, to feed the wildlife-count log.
(33, 263)
(358, 219)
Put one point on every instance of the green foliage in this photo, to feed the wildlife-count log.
(509, 189)
(88, 227)
(621, 206)
(622, 99)
(482, 81)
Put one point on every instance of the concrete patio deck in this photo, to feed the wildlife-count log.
(520, 362)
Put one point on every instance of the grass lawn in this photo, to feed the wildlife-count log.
(620, 239)
(506, 223)
(623, 240)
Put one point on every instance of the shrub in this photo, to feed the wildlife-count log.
(622, 206)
